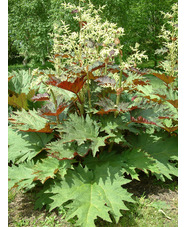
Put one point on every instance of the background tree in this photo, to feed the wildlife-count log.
(29, 26)
(141, 19)
(30, 23)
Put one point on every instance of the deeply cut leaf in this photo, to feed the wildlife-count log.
(49, 167)
(30, 121)
(91, 193)
(162, 148)
(24, 146)
(80, 130)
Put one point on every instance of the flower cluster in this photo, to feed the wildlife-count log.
(169, 33)
(96, 40)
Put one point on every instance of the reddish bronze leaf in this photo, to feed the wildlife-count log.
(161, 96)
(102, 111)
(173, 102)
(51, 75)
(51, 61)
(98, 67)
(166, 79)
(41, 97)
(170, 129)
(46, 129)
(154, 100)
(74, 87)
(140, 82)
(60, 109)
(9, 78)
(141, 119)
(164, 117)
(132, 69)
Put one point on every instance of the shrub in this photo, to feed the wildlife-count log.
(94, 122)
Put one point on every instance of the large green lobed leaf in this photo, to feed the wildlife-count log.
(92, 193)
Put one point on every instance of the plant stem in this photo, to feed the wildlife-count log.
(81, 106)
(55, 101)
(120, 80)
(89, 92)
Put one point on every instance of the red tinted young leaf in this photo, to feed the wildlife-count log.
(164, 117)
(102, 111)
(84, 74)
(98, 67)
(41, 97)
(140, 82)
(154, 100)
(74, 87)
(75, 11)
(60, 109)
(51, 75)
(141, 119)
(46, 129)
(51, 61)
(173, 102)
(166, 79)
(172, 129)
(134, 97)
(161, 96)
(9, 78)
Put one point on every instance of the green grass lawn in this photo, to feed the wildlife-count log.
(156, 205)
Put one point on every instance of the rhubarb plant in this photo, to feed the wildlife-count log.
(92, 124)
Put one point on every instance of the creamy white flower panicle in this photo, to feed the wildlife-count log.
(94, 41)
(169, 33)
(134, 59)
(97, 40)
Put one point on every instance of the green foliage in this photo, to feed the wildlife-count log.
(89, 192)
(92, 122)
(29, 27)
(30, 120)
(20, 82)
(163, 148)
(22, 149)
